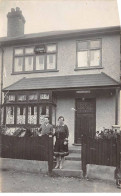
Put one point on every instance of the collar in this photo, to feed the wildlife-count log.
(61, 125)
(46, 124)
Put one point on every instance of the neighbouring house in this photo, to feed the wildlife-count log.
(73, 73)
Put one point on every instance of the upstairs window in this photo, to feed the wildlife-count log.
(89, 53)
(35, 58)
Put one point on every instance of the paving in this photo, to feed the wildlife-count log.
(22, 182)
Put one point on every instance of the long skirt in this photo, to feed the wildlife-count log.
(60, 149)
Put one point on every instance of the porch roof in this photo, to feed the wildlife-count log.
(63, 82)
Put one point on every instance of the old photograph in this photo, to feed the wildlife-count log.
(60, 113)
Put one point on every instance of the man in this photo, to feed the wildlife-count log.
(46, 127)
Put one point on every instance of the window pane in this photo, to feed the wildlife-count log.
(29, 50)
(39, 49)
(40, 62)
(10, 115)
(33, 97)
(29, 63)
(21, 114)
(95, 44)
(32, 114)
(19, 51)
(44, 96)
(51, 61)
(43, 111)
(82, 59)
(95, 58)
(18, 64)
(51, 48)
(21, 97)
(11, 98)
(82, 45)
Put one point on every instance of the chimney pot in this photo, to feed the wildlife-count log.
(17, 9)
(16, 21)
(12, 10)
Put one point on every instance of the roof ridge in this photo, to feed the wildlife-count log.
(13, 83)
(110, 77)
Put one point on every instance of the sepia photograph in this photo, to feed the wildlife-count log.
(60, 100)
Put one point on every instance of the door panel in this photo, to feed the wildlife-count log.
(85, 119)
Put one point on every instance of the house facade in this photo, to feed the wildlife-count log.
(74, 73)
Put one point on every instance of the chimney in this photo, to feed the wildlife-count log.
(16, 21)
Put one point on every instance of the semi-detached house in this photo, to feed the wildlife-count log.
(73, 73)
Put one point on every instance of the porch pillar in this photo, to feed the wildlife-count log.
(116, 105)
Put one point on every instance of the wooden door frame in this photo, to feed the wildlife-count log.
(80, 98)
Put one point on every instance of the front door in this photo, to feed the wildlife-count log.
(85, 118)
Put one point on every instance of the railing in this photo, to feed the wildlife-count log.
(29, 148)
(101, 152)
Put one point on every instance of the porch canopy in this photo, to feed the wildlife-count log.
(70, 82)
(64, 82)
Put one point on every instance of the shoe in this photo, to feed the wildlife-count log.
(57, 166)
(119, 187)
(60, 166)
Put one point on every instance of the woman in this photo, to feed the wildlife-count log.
(61, 144)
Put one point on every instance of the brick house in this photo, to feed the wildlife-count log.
(73, 73)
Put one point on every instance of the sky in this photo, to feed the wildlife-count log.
(49, 15)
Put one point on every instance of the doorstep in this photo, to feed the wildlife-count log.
(70, 169)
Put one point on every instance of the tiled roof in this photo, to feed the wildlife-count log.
(63, 82)
(62, 33)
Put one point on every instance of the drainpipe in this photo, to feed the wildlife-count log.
(2, 64)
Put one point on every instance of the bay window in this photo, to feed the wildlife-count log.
(28, 108)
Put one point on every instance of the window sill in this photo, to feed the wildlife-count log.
(87, 68)
(32, 72)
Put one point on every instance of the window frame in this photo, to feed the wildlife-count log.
(24, 55)
(89, 49)
(26, 103)
(23, 106)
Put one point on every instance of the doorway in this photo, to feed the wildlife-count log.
(85, 118)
